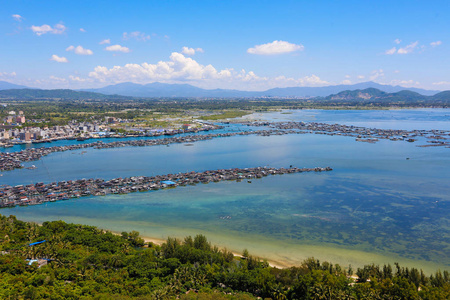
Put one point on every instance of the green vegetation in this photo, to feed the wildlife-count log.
(86, 262)
(226, 115)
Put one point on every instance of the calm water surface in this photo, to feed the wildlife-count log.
(376, 206)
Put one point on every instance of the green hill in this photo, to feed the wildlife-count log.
(375, 95)
(442, 96)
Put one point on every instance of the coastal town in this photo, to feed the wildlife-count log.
(13, 130)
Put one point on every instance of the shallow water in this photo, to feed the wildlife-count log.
(375, 206)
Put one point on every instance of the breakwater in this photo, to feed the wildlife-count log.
(39, 193)
(13, 160)
(434, 137)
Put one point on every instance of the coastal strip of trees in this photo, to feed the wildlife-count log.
(57, 260)
(39, 193)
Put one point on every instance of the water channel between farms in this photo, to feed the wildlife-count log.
(383, 203)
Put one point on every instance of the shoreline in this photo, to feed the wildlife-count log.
(159, 242)
(292, 255)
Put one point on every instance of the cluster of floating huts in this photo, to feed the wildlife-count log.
(13, 160)
(39, 193)
(362, 134)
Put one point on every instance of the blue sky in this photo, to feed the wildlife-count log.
(249, 45)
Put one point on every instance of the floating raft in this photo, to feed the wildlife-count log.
(39, 193)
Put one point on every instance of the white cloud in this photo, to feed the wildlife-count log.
(58, 59)
(82, 30)
(40, 30)
(18, 18)
(106, 41)
(6, 75)
(346, 82)
(118, 48)
(408, 49)
(376, 74)
(180, 68)
(442, 83)
(435, 44)
(397, 41)
(361, 76)
(80, 50)
(396, 71)
(76, 78)
(390, 51)
(276, 47)
(405, 83)
(191, 51)
(137, 35)
(57, 79)
(347, 76)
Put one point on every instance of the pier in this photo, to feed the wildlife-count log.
(39, 193)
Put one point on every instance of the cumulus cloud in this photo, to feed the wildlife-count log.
(435, 44)
(397, 41)
(191, 51)
(390, 51)
(180, 68)
(40, 30)
(79, 50)
(361, 76)
(276, 47)
(82, 30)
(346, 82)
(408, 49)
(137, 35)
(117, 48)
(58, 59)
(18, 18)
(106, 41)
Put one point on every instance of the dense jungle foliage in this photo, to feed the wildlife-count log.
(84, 262)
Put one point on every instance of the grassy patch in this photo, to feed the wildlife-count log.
(226, 115)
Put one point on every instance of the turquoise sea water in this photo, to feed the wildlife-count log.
(376, 206)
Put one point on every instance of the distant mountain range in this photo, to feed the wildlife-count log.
(7, 85)
(185, 90)
(54, 94)
(165, 90)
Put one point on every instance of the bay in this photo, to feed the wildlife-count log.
(375, 206)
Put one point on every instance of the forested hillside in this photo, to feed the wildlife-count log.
(83, 262)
